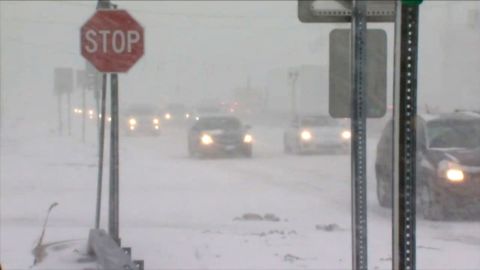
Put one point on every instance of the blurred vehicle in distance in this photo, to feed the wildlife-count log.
(217, 135)
(175, 114)
(202, 111)
(141, 119)
(316, 134)
(448, 164)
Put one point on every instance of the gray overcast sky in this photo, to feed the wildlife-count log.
(206, 48)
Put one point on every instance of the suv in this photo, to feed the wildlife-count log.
(219, 135)
(448, 164)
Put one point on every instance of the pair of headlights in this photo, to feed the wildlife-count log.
(206, 139)
(306, 135)
(133, 123)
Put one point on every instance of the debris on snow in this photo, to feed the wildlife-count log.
(271, 217)
(291, 258)
(329, 227)
(257, 217)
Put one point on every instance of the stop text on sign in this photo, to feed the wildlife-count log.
(112, 40)
(118, 41)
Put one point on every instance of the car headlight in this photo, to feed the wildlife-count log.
(168, 116)
(187, 115)
(346, 134)
(156, 121)
(248, 138)
(451, 171)
(455, 175)
(132, 121)
(306, 135)
(206, 139)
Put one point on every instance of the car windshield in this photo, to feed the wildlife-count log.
(454, 134)
(218, 123)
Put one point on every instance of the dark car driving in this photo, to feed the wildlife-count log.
(448, 164)
(214, 135)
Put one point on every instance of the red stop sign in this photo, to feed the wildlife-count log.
(112, 40)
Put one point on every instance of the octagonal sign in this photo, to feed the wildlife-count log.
(112, 40)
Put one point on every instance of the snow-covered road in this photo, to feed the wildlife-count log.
(274, 211)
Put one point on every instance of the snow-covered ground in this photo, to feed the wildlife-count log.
(274, 211)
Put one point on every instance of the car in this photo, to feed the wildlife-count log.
(448, 164)
(316, 134)
(217, 135)
(176, 114)
(142, 119)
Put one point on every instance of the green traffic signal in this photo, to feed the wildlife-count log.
(412, 2)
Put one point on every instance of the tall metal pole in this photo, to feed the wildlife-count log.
(293, 75)
(84, 111)
(60, 117)
(69, 113)
(405, 111)
(101, 143)
(358, 128)
(114, 163)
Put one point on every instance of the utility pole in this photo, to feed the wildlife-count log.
(293, 75)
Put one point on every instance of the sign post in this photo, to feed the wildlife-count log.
(63, 84)
(112, 41)
(359, 135)
(405, 111)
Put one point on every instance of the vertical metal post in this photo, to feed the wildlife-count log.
(69, 114)
(405, 110)
(114, 163)
(101, 143)
(60, 117)
(358, 128)
(84, 111)
(294, 76)
(97, 94)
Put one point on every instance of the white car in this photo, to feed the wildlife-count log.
(316, 134)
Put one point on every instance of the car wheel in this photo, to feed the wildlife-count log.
(430, 206)
(247, 152)
(296, 148)
(191, 150)
(384, 198)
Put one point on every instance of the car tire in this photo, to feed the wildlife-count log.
(247, 152)
(383, 197)
(297, 149)
(430, 206)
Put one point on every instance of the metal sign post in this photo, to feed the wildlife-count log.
(101, 146)
(63, 84)
(405, 98)
(114, 162)
(358, 128)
